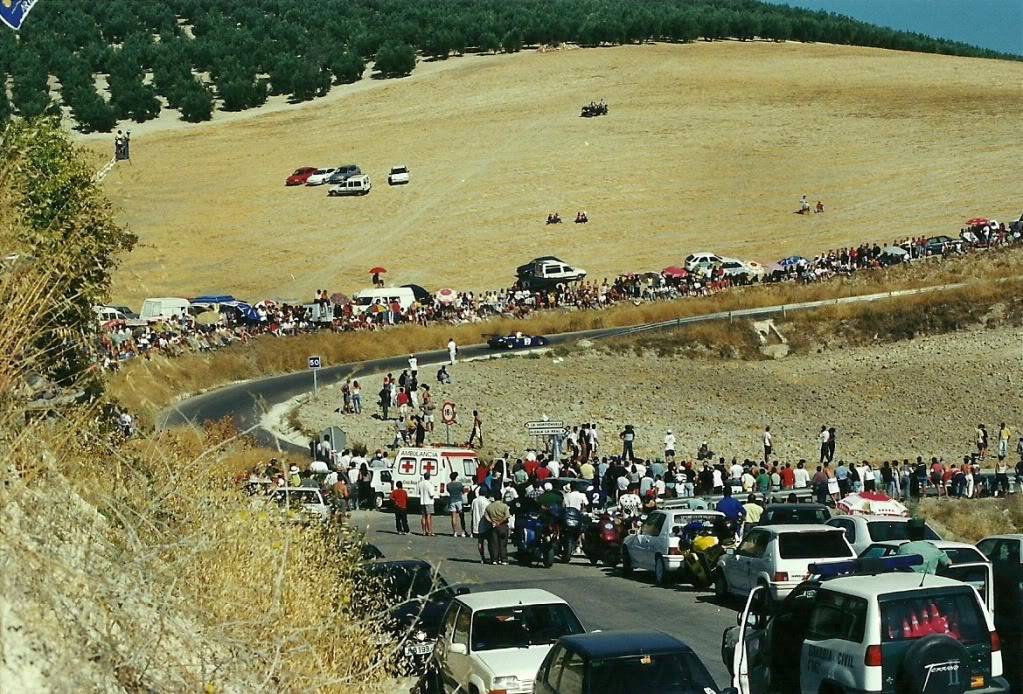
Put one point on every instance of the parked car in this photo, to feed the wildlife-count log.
(862, 530)
(399, 175)
(300, 176)
(303, 504)
(1006, 555)
(319, 177)
(353, 185)
(496, 640)
(516, 341)
(417, 597)
(547, 272)
(795, 514)
(702, 262)
(656, 546)
(734, 268)
(778, 557)
(622, 662)
(938, 245)
(864, 626)
(343, 173)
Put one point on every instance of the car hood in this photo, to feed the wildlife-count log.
(521, 662)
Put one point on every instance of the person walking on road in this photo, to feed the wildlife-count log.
(452, 351)
(399, 498)
(497, 515)
(480, 524)
(455, 490)
(477, 429)
(426, 499)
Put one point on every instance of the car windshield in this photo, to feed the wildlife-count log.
(669, 673)
(399, 170)
(913, 615)
(963, 555)
(412, 582)
(797, 516)
(822, 545)
(880, 531)
(522, 626)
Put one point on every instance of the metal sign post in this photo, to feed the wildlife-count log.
(548, 428)
(314, 366)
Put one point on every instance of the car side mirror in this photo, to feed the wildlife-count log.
(675, 530)
(458, 649)
(461, 590)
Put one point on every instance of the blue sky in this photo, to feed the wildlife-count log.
(995, 24)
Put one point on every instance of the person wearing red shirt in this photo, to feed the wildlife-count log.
(788, 477)
(399, 497)
(542, 472)
(530, 467)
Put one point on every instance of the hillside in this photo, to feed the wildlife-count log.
(708, 146)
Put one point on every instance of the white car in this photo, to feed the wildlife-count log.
(702, 262)
(778, 557)
(320, 177)
(495, 641)
(398, 176)
(859, 629)
(733, 267)
(307, 503)
(656, 546)
(353, 185)
(863, 530)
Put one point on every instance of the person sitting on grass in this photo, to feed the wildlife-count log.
(554, 218)
(820, 208)
(581, 218)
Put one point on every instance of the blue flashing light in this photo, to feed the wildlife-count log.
(878, 565)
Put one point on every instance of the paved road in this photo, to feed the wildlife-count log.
(601, 597)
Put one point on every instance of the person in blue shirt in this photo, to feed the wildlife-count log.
(730, 506)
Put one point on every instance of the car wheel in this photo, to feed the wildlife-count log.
(661, 575)
(916, 673)
(626, 563)
(378, 501)
(548, 557)
(611, 559)
(720, 586)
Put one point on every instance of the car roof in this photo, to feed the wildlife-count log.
(870, 518)
(790, 507)
(785, 528)
(624, 642)
(894, 582)
(509, 598)
(940, 544)
(402, 564)
(1008, 536)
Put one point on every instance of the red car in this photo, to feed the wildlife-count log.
(300, 176)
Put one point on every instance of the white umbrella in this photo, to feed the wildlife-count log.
(874, 503)
(446, 296)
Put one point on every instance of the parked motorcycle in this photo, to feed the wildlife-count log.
(536, 537)
(703, 545)
(571, 527)
(602, 538)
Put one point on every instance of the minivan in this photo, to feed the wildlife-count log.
(362, 300)
(356, 185)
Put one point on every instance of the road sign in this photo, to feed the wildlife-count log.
(447, 413)
(314, 362)
(548, 428)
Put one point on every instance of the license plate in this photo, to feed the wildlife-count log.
(977, 682)
(421, 648)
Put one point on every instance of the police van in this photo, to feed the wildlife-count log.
(410, 464)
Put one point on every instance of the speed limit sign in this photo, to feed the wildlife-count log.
(447, 413)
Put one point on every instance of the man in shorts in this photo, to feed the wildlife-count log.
(426, 499)
(455, 490)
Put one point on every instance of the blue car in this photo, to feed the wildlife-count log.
(516, 341)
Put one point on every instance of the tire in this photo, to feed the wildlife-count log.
(569, 551)
(626, 563)
(548, 557)
(661, 575)
(720, 586)
(523, 558)
(914, 670)
(611, 559)
(378, 501)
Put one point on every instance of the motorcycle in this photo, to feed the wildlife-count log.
(570, 530)
(703, 545)
(536, 537)
(602, 539)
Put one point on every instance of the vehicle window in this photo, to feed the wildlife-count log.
(837, 616)
(653, 524)
(407, 466)
(987, 547)
(553, 664)
(964, 555)
(572, 675)
(754, 545)
(957, 611)
(848, 526)
(880, 531)
(1007, 551)
(813, 545)
(461, 633)
(668, 672)
(800, 516)
(875, 551)
(449, 621)
(430, 465)
(522, 625)
(469, 466)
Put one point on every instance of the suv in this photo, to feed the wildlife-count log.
(656, 546)
(1006, 555)
(547, 272)
(622, 662)
(398, 176)
(702, 262)
(863, 530)
(852, 630)
(306, 503)
(343, 173)
(777, 557)
(496, 641)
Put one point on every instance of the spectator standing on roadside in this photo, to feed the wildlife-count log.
(497, 514)
(480, 524)
(982, 441)
(399, 499)
(788, 477)
(356, 397)
(768, 444)
(452, 350)
(455, 492)
(426, 499)
(753, 513)
(801, 475)
(820, 485)
(413, 363)
(628, 437)
(832, 440)
(822, 439)
(669, 446)
(1003, 442)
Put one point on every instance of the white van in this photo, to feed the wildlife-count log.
(105, 314)
(356, 185)
(383, 295)
(164, 307)
(440, 462)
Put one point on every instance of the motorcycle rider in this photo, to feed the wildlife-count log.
(575, 499)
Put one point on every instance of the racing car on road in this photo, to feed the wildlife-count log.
(516, 341)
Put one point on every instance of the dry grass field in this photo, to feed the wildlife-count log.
(708, 146)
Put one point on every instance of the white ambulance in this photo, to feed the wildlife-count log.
(440, 461)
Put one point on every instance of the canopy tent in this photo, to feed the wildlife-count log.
(418, 292)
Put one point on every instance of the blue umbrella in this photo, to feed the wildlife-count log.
(792, 260)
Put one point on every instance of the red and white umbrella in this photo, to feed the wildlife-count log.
(446, 296)
(674, 271)
(978, 222)
(873, 503)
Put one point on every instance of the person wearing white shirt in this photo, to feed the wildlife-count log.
(452, 351)
(427, 494)
(717, 481)
(768, 444)
(802, 477)
(735, 472)
(480, 525)
(630, 504)
(823, 438)
(669, 444)
(554, 465)
(413, 363)
(575, 499)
